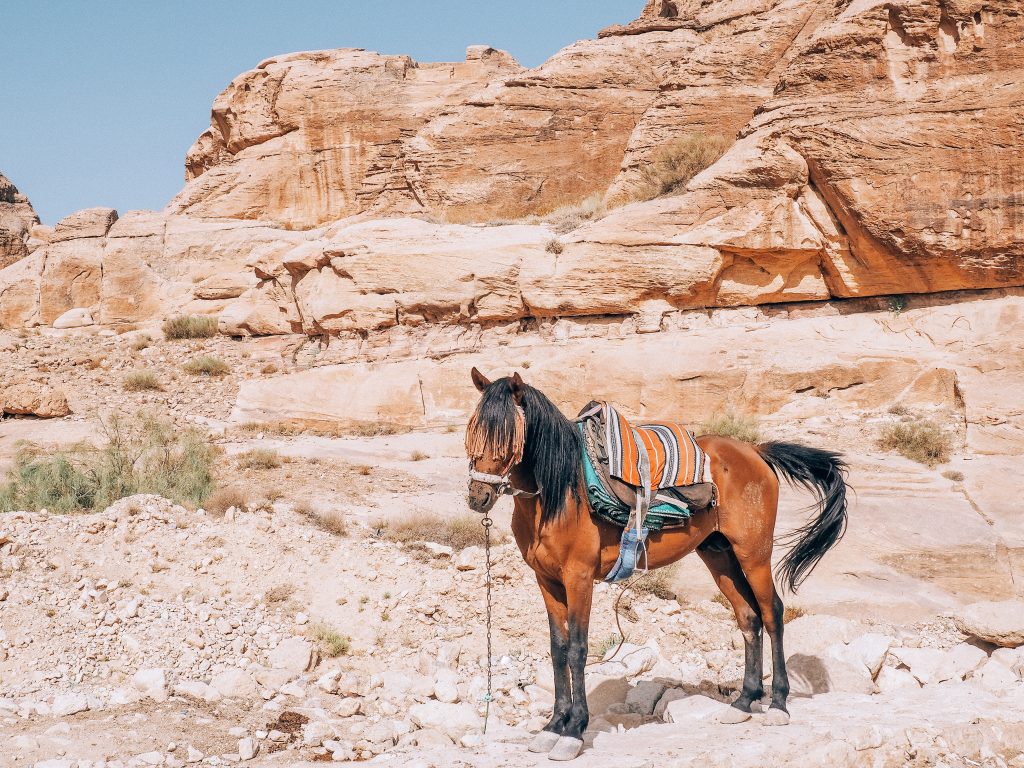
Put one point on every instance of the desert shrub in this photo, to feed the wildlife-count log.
(657, 583)
(732, 425)
(570, 217)
(139, 381)
(223, 499)
(920, 440)
(190, 327)
(898, 409)
(554, 246)
(139, 343)
(269, 368)
(418, 456)
(206, 365)
(330, 642)
(952, 474)
(330, 520)
(291, 428)
(141, 455)
(672, 166)
(259, 458)
(455, 532)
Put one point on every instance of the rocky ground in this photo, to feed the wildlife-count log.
(151, 634)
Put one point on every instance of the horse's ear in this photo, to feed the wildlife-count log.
(517, 385)
(480, 381)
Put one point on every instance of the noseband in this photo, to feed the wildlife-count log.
(501, 483)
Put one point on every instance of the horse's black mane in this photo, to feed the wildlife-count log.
(553, 445)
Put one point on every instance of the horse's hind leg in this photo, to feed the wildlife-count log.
(758, 571)
(721, 561)
(558, 625)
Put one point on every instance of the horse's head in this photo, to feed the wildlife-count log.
(495, 438)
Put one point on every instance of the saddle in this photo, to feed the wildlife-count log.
(641, 477)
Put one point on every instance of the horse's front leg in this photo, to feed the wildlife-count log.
(579, 590)
(558, 624)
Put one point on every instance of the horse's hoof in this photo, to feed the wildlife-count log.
(775, 716)
(567, 748)
(544, 741)
(732, 716)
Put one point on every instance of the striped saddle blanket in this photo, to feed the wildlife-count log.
(656, 463)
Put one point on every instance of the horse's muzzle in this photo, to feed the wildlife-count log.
(481, 497)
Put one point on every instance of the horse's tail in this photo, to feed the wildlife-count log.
(824, 474)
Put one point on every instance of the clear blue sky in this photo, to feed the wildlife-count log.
(102, 99)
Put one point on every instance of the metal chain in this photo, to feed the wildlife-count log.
(487, 523)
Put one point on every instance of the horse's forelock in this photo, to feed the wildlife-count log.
(497, 428)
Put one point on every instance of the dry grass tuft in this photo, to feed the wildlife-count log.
(920, 440)
(269, 368)
(291, 429)
(223, 499)
(207, 365)
(140, 381)
(141, 342)
(899, 409)
(600, 648)
(418, 456)
(952, 474)
(672, 167)
(732, 425)
(569, 217)
(331, 642)
(792, 612)
(279, 594)
(190, 327)
(259, 458)
(657, 583)
(455, 532)
(330, 520)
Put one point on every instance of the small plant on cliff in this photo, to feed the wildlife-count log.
(731, 425)
(672, 166)
(207, 365)
(570, 217)
(143, 455)
(140, 381)
(190, 327)
(920, 440)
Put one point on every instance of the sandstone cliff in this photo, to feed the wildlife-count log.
(877, 153)
(17, 218)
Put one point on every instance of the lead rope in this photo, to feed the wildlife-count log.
(489, 697)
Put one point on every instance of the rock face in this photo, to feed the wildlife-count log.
(17, 218)
(309, 138)
(875, 155)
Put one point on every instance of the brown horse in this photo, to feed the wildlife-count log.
(519, 443)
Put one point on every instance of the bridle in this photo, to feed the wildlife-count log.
(502, 484)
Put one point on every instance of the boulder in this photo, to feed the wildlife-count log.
(644, 697)
(234, 683)
(453, 720)
(810, 675)
(34, 400)
(959, 662)
(90, 222)
(69, 704)
(924, 663)
(891, 680)
(693, 709)
(997, 622)
(17, 220)
(74, 318)
(152, 683)
(294, 655)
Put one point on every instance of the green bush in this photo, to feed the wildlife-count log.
(331, 642)
(919, 440)
(190, 327)
(734, 426)
(144, 455)
(207, 365)
(672, 167)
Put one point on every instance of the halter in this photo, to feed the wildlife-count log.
(501, 483)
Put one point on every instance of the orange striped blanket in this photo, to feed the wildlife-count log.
(675, 458)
